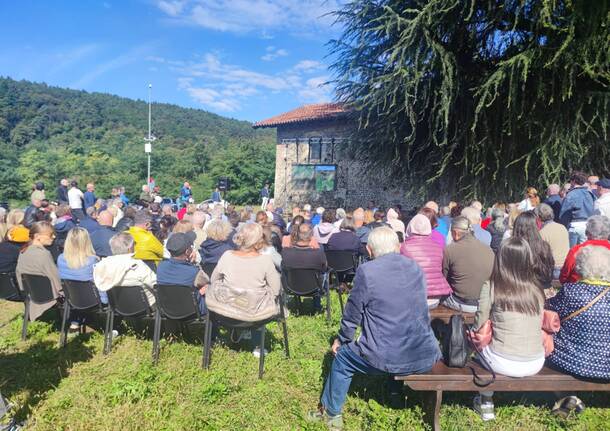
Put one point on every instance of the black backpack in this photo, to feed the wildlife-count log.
(456, 348)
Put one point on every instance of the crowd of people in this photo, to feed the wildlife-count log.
(510, 263)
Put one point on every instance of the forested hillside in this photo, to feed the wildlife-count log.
(47, 133)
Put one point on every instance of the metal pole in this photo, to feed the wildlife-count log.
(149, 132)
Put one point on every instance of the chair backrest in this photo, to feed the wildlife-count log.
(128, 301)
(81, 295)
(38, 288)
(8, 286)
(341, 260)
(301, 282)
(208, 268)
(176, 302)
(151, 264)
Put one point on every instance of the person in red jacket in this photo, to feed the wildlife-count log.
(597, 232)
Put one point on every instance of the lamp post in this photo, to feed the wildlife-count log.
(149, 140)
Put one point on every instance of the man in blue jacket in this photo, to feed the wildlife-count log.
(576, 208)
(388, 303)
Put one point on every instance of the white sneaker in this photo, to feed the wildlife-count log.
(74, 326)
(257, 352)
(115, 333)
(484, 409)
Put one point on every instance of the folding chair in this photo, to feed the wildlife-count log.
(342, 266)
(82, 296)
(305, 282)
(174, 302)
(38, 290)
(208, 268)
(125, 301)
(9, 290)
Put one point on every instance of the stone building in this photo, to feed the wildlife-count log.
(310, 166)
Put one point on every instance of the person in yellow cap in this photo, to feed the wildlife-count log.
(16, 238)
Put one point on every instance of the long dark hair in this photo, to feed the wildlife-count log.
(514, 279)
(526, 227)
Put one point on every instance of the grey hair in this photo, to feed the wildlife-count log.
(472, 214)
(340, 213)
(598, 227)
(122, 243)
(498, 216)
(593, 263)
(460, 223)
(383, 240)
(445, 211)
(142, 217)
(545, 212)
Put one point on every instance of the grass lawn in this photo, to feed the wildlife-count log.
(78, 388)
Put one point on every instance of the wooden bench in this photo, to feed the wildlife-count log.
(444, 314)
(443, 378)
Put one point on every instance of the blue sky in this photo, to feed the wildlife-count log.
(246, 59)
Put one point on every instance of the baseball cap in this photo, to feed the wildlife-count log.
(604, 183)
(178, 243)
(18, 234)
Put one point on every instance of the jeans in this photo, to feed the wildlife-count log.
(345, 365)
(455, 304)
(265, 202)
(577, 233)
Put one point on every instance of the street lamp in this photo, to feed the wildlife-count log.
(149, 140)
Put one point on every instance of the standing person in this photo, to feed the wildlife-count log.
(216, 197)
(35, 259)
(89, 196)
(554, 200)
(388, 303)
(602, 204)
(186, 192)
(122, 195)
(531, 201)
(265, 196)
(513, 302)
(30, 212)
(146, 197)
(38, 192)
(75, 199)
(62, 191)
(576, 208)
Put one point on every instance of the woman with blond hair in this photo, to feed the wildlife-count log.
(11, 219)
(77, 261)
(217, 242)
(245, 285)
(35, 259)
(531, 201)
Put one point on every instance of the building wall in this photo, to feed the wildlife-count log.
(354, 186)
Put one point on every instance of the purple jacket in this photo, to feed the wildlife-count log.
(428, 254)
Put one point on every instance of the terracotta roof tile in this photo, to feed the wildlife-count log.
(318, 111)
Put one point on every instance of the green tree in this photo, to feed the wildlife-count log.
(476, 97)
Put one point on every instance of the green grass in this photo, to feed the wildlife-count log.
(78, 388)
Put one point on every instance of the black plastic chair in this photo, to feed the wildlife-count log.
(305, 282)
(125, 301)
(38, 290)
(342, 266)
(82, 296)
(9, 290)
(214, 318)
(151, 264)
(208, 268)
(174, 302)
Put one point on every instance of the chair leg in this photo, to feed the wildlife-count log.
(156, 337)
(285, 331)
(261, 361)
(26, 318)
(327, 304)
(340, 300)
(63, 335)
(110, 326)
(208, 342)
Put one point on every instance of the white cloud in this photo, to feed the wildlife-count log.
(273, 53)
(315, 90)
(308, 66)
(213, 99)
(262, 16)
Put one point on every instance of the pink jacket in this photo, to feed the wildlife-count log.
(428, 254)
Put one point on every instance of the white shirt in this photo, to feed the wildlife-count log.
(75, 198)
(602, 204)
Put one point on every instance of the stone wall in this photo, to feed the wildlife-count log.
(354, 186)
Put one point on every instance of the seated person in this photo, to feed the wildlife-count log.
(513, 302)
(428, 254)
(474, 217)
(64, 223)
(556, 235)
(218, 241)
(396, 223)
(147, 246)
(300, 255)
(100, 238)
(126, 221)
(76, 263)
(435, 235)
(287, 239)
(180, 268)
(90, 222)
(581, 348)
(597, 232)
(467, 264)
(345, 239)
(388, 303)
(35, 259)
(270, 250)
(245, 285)
(16, 238)
(123, 269)
(323, 230)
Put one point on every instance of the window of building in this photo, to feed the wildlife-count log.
(315, 150)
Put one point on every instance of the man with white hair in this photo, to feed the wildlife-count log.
(62, 191)
(146, 197)
(388, 303)
(199, 218)
(602, 204)
(474, 217)
(89, 197)
(554, 200)
(597, 232)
